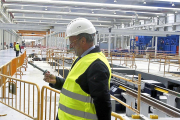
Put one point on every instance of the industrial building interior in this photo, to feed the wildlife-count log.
(140, 39)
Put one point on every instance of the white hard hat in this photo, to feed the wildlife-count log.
(78, 26)
(17, 42)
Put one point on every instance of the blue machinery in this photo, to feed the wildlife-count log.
(169, 44)
(142, 42)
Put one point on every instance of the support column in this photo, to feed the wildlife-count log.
(174, 27)
(12, 39)
(130, 101)
(170, 99)
(115, 41)
(104, 37)
(53, 40)
(58, 43)
(153, 41)
(144, 107)
(64, 40)
(99, 39)
(50, 41)
(56, 40)
(95, 41)
(68, 44)
(46, 39)
(3, 39)
(157, 112)
(61, 42)
(156, 46)
(122, 42)
(109, 44)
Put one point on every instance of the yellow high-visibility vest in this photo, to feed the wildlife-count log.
(17, 47)
(74, 103)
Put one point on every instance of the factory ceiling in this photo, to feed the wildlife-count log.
(56, 14)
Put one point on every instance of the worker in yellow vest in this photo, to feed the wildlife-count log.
(17, 48)
(85, 91)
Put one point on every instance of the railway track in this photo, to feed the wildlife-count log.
(169, 110)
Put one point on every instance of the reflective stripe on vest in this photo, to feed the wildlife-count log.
(76, 96)
(17, 47)
(77, 112)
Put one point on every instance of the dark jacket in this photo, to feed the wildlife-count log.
(94, 81)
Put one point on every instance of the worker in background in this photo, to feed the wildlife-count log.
(17, 48)
(85, 91)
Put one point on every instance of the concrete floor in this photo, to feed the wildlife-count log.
(34, 75)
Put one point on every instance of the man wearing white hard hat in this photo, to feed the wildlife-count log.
(85, 91)
(17, 48)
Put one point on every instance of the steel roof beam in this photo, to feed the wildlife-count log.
(94, 5)
(150, 13)
(137, 32)
(59, 24)
(154, 33)
(9, 26)
(74, 14)
(63, 19)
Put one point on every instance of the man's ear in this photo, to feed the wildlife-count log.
(83, 40)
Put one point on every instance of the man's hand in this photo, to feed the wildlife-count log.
(49, 78)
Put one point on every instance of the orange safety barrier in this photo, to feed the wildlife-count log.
(24, 54)
(18, 62)
(22, 59)
(21, 96)
(6, 71)
(10, 69)
(13, 66)
(49, 104)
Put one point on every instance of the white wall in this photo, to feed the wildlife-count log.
(170, 19)
(178, 20)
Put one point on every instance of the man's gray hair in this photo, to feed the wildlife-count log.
(89, 37)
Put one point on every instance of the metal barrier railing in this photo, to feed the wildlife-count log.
(129, 60)
(138, 83)
(13, 67)
(26, 100)
(46, 103)
(53, 108)
(57, 56)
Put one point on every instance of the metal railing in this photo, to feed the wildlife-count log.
(21, 96)
(49, 104)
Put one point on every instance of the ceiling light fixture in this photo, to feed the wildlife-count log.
(46, 8)
(115, 0)
(176, 12)
(144, 2)
(92, 11)
(115, 13)
(173, 4)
